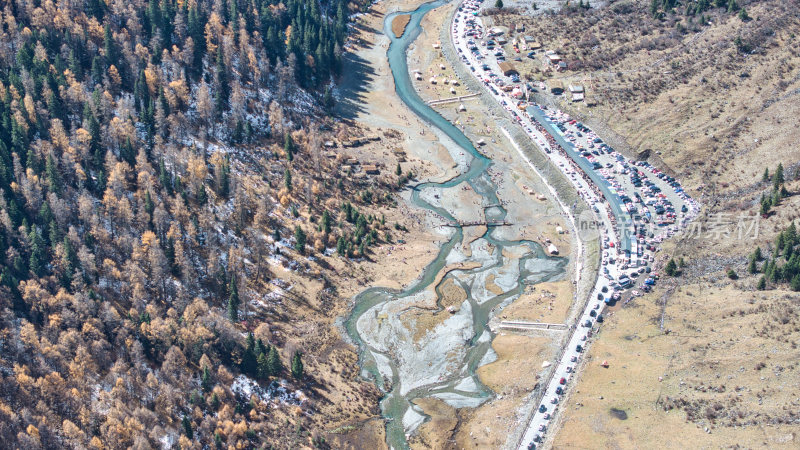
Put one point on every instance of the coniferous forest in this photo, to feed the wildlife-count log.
(147, 165)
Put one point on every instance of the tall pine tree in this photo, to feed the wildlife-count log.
(274, 362)
(233, 301)
(297, 365)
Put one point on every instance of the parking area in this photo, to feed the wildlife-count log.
(634, 205)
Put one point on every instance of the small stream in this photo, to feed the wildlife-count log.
(441, 362)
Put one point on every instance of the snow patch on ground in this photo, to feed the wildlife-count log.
(246, 387)
(412, 419)
(467, 385)
(460, 401)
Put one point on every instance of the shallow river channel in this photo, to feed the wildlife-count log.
(411, 344)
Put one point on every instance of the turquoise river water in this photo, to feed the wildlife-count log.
(384, 353)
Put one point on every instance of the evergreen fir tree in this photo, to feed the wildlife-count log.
(69, 262)
(288, 147)
(328, 100)
(263, 367)
(224, 178)
(776, 198)
(287, 180)
(149, 206)
(222, 94)
(187, 427)
(109, 47)
(233, 301)
(53, 177)
(260, 347)
(795, 283)
(249, 363)
(300, 240)
(202, 195)
(326, 222)
(36, 262)
(790, 234)
(743, 16)
(774, 273)
(777, 178)
(205, 381)
(274, 362)
(765, 206)
(297, 366)
(671, 269)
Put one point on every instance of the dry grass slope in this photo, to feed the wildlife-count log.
(703, 359)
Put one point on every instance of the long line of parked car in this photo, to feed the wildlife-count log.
(653, 205)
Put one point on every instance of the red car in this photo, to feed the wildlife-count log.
(562, 380)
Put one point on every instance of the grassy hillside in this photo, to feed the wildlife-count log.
(709, 93)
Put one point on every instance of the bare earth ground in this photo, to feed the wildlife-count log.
(545, 302)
